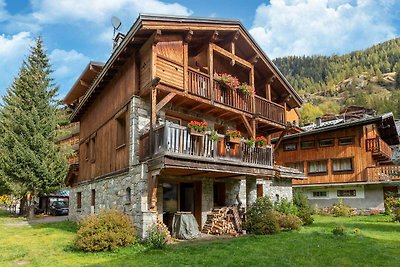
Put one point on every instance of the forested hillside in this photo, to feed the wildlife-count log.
(369, 78)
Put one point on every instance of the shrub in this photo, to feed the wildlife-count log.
(289, 221)
(339, 230)
(158, 236)
(396, 214)
(390, 204)
(315, 210)
(106, 231)
(285, 206)
(261, 219)
(340, 209)
(303, 206)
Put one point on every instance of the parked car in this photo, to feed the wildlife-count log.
(59, 208)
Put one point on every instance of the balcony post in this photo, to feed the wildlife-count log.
(211, 70)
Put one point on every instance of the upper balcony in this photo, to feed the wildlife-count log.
(193, 85)
(380, 150)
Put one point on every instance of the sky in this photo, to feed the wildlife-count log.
(75, 32)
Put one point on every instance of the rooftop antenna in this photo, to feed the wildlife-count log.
(116, 23)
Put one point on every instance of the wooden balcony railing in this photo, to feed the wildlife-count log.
(382, 173)
(379, 149)
(199, 83)
(175, 139)
(233, 98)
(269, 110)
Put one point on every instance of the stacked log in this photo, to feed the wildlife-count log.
(161, 226)
(223, 221)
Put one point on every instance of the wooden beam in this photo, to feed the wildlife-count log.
(153, 107)
(283, 133)
(268, 90)
(214, 37)
(247, 125)
(254, 59)
(83, 83)
(196, 107)
(210, 60)
(233, 46)
(229, 55)
(164, 101)
(188, 36)
(211, 110)
(152, 184)
(185, 66)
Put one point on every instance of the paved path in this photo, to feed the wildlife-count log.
(49, 219)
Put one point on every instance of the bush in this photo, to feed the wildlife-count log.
(289, 221)
(157, 236)
(340, 209)
(390, 204)
(339, 230)
(285, 206)
(303, 206)
(106, 231)
(396, 214)
(261, 219)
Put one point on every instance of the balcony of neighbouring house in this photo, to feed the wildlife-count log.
(382, 173)
(211, 149)
(381, 151)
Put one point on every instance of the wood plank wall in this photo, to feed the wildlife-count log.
(100, 120)
(361, 158)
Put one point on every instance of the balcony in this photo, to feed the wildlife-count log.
(382, 173)
(175, 140)
(380, 150)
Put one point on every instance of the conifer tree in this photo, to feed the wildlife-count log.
(29, 158)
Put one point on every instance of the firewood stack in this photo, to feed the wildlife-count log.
(223, 221)
(164, 229)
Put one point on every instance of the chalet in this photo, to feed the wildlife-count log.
(137, 149)
(347, 156)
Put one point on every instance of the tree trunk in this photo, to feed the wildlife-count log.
(22, 206)
(31, 208)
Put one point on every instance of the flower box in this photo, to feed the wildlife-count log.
(235, 140)
(262, 146)
(195, 133)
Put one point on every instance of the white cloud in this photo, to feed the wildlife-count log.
(13, 49)
(3, 12)
(305, 27)
(67, 66)
(65, 11)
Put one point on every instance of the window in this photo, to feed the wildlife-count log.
(79, 200)
(319, 194)
(93, 202)
(346, 193)
(346, 140)
(92, 149)
(326, 142)
(128, 195)
(296, 165)
(318, 167)
(290, 146)
(307, 144)
(121, 130)
(342, 165)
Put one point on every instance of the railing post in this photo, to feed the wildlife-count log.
(211, 70)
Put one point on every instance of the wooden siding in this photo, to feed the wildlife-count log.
(100, 121)
(357, 151)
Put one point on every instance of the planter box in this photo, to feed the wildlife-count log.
(195, 133)
(263, 147)
(235, 140)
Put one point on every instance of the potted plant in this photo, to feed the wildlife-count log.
(233, 136)
(214, 136)
(250, 142)
(197, 128)
(261, 142)
(227, 80)
(246, 89)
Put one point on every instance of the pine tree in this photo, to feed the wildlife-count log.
(29, 158)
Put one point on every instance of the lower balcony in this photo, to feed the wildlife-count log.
(177, 142)
(380, 150)
(383, 173)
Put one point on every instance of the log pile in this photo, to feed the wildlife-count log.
(223, 221)
(161, 226)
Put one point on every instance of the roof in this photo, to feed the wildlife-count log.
(114, 58)
(387, 128)
(288, 173)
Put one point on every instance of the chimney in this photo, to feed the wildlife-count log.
(318, 121)
(117, 40)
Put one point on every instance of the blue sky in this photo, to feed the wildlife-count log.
(75, 32)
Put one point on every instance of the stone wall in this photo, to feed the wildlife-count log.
(277, 188)
(207, 198)
(236, 193)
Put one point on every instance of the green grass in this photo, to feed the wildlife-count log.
(378, 244)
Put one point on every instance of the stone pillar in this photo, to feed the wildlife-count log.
(207, 199)
(236, 193)
(251, 190)
(278, 187)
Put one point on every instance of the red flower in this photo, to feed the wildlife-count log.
(199, 126)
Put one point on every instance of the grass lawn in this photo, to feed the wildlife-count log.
(51, 245)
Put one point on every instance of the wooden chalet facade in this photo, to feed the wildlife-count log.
(136, 152)
(351, 160)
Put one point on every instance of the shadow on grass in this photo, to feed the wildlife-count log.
(363, 225)
(67, 226)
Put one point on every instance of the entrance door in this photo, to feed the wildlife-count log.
(190, 199)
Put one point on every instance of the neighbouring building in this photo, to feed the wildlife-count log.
(136, 152)
(346, 157)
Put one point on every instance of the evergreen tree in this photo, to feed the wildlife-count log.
(29, 158)
(397, 78)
